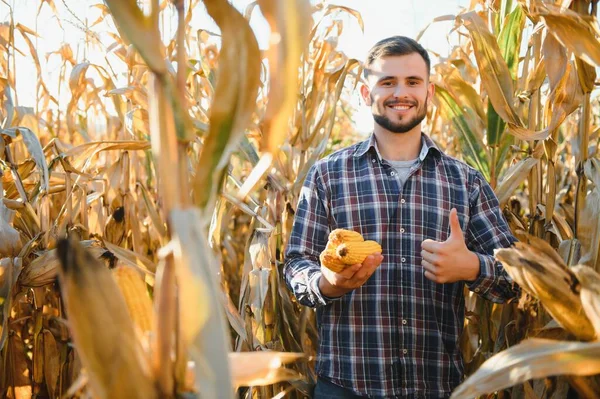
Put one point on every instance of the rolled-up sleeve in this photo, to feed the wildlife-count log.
(488, 230)
(310, 230)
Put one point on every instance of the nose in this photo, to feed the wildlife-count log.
(400, 91)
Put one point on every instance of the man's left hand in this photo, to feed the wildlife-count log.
(451, 260)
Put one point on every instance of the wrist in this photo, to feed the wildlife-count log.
(329, 290)
(474, 267)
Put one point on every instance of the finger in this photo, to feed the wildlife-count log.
(431, 245)
(349, 272)
(429, 267)
(369, 265)
(429, 257)
(455, 229)
(363, 274)
(372, 262)
(430, 276)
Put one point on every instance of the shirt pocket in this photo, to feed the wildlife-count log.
(436, 220)
(363, 210)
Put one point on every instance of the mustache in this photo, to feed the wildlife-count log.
(403, 102)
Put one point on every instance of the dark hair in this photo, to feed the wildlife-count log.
(395, 45)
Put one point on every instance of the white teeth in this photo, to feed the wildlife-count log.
(401, 107)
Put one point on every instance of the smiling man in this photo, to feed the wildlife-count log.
(390, 327)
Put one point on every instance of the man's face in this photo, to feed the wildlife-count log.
(398, 92)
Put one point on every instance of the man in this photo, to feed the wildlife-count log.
(390, 327)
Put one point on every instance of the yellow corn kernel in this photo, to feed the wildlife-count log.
(340, 236)
(136, 297)
(355, 252)
(330, 260)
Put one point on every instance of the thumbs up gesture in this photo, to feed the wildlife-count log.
(451, 260)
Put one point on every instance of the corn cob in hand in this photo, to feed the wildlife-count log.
(346, 248)
(352, 253)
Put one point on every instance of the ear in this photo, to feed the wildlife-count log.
(365, 94)
(431, 90)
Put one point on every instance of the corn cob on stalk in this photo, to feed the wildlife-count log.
(352, 253)
(136, 297)
(103, 332)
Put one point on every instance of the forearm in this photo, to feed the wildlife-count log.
(493, 282)
(302, 278)
(488, 230)
(472, 267)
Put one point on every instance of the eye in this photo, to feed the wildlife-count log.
(413, 83)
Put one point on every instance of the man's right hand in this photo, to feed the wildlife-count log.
(334, 284)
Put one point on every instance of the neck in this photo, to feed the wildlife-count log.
(398, 146)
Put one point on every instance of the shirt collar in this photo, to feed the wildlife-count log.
(371, 142)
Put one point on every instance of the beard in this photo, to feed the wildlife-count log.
(401, 126)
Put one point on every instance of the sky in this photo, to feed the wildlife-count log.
(382, 18)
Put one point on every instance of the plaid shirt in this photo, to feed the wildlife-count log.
(398, 334)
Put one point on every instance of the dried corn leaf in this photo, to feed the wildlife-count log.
(540, 271)
(51, 5)
(287, 20)
(590, 293)
(586, 74)
(201, 304)
(513, 177)
(262, 368)
(495, 74)
(536, 77)
(84, 153)
(142, 31)
(442, 18)
(35, 150)
(533, 358)
(565, 97)
(234, 100)
(131, 258)
(330, 8)
(575, 32)
(104, 11)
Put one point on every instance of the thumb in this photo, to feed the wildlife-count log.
(455, 230)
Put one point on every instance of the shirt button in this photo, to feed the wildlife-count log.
(404, 322)
(392, 174)
(401, 230)
(373, 160)
(404, 351)
(402, 201)
(403, 260)
(476, 289)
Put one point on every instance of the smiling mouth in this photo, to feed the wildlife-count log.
(400, 107)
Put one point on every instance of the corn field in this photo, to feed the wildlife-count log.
(143, 224)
